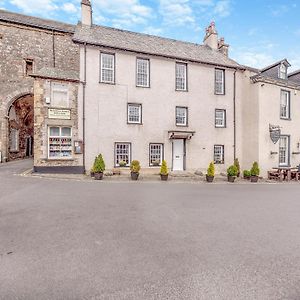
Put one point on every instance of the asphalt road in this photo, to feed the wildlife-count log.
(63, 239)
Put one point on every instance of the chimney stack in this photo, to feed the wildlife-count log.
(86, 12)
(222, 47)
(211, 36)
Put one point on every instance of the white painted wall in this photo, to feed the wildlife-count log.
(106, 111)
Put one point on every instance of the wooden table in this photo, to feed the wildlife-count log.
(285, 172)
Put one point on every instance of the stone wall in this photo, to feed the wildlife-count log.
(42, 90)
(18, 43)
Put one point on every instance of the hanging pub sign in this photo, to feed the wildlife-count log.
(275, 133)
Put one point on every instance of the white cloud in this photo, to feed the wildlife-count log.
(122, 12)
(42, 7)
(70, 8)
(176, 12)
(223, 8)
(254, 59)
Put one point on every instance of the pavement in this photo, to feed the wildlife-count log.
(76, 239)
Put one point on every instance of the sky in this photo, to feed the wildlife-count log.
(259, 32)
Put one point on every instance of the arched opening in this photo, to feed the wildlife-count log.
(21, 128)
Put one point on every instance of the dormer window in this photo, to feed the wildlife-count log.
(282, 71)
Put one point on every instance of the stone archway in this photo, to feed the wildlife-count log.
(21, 127)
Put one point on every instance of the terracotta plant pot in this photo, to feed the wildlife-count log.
(164, 177)
(134, 175)
(231, 179)
(98, 176)
(209, 178)
(254, 178)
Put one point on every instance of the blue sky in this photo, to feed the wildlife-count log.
(259, 32)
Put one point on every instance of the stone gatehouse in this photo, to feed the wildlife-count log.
(27, 44)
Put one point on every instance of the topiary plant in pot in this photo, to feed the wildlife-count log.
(232, 173)
(254, 172)
(247, 174)
(210, 172)
(164, 171)
(99, 167)
(237, 164)
(135, 169)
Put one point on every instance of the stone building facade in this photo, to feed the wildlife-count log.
(27, 44)
(57, 146)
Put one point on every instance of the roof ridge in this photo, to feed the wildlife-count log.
(149, 35)
(7, 15)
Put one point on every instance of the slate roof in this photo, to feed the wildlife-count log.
(285, 61)
(152, 45)
(15, 18)
(55, 73)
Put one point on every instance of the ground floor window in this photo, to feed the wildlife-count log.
(122, 154)
(284, 151)
(60, 142)
(219, 154)
(14, 140)
(156, 154)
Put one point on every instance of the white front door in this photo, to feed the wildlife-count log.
(178, 154)
(284, 155)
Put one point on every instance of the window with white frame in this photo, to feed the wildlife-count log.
(134, 112)
(282, 71)
(59, 95)
(181, 72)
(142, 72)
(14, 140)
(220, 118)
(219, 154)
(156, 154)
(219, 81)
(284, 151)
(285, 105)
(107, 65)
(60, 142)
(122, 154)
(181, 116)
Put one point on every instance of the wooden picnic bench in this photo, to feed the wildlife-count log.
(284, 173)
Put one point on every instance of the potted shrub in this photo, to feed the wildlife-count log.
(210, 172)
(99, 167)
(237, 164)
(135, 169)
(255, 172)
(232, 173)
(122, 163)
(164, 171)
(247, 174)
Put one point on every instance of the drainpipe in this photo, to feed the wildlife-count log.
(234, 114)
(53, 48)
(83, 109)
